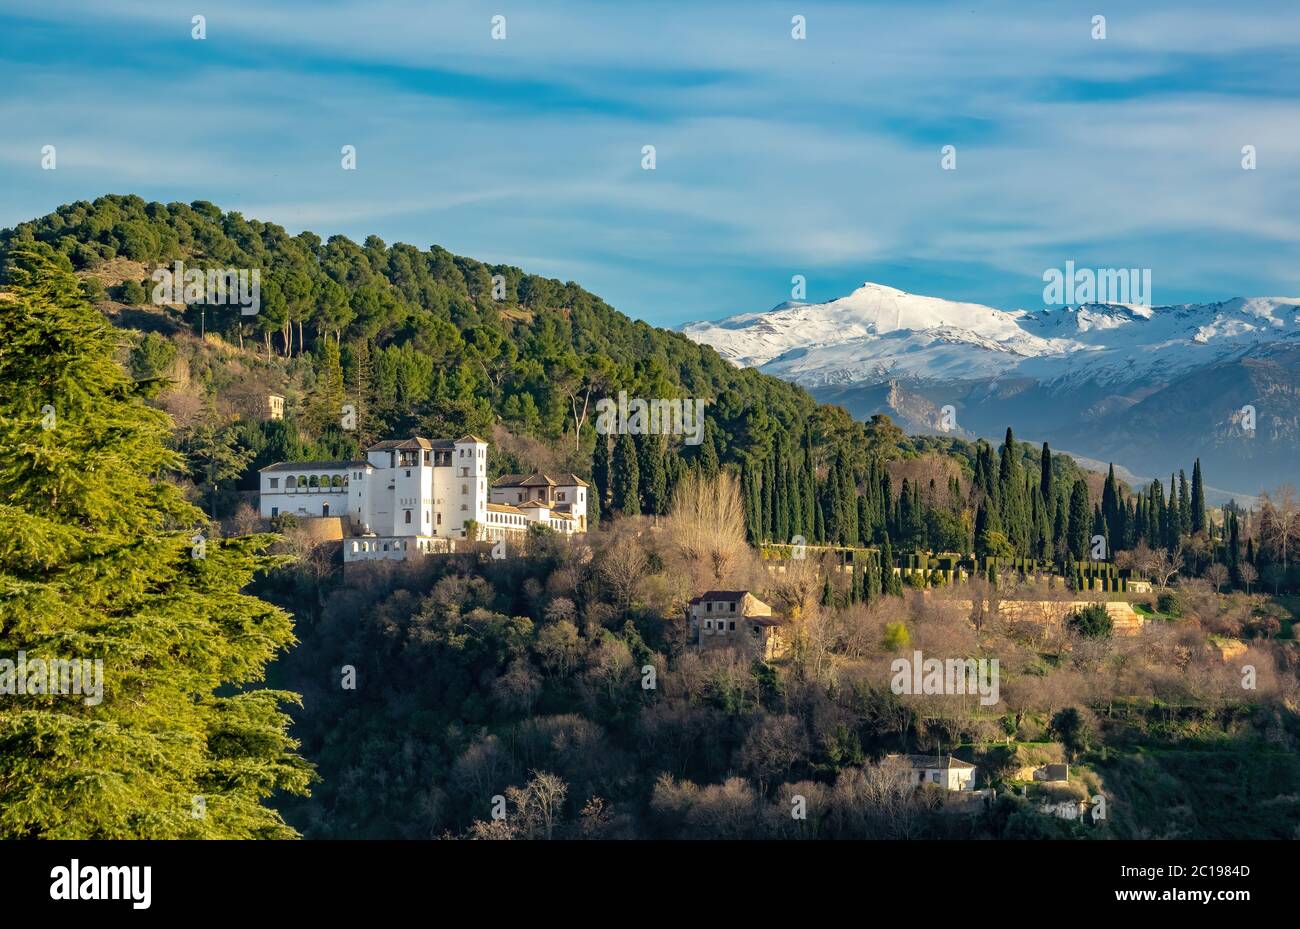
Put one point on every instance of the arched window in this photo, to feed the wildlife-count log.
(336, 480)
(313, 481)
(290, 482)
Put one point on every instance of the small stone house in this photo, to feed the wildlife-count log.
(734, 619)
(944, 771)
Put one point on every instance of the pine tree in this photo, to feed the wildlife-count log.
(99, 560)
(212, 444)
(325, 408)
(625, 478)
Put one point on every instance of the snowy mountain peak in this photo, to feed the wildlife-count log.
(879, 332)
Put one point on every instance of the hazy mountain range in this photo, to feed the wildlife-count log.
(1149, 388)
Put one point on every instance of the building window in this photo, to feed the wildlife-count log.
(733, 626)
(275, 511)
(560, 495)
(708, 607)
(290, 482)
(275, 483)
(439, 519)
(464, 488)
(732, 607)
(408, 473)
(408, 517)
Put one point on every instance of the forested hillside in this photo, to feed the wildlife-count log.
(423, 340)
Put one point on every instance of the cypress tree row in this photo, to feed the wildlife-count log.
(99, 561)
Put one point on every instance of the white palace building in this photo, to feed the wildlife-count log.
(409, 497)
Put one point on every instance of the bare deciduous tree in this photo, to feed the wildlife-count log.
(1279, 520)
(706, 527)
(1248, 574)
(538, 805)
(623, 567)
(1217, 575)
(1164, 565)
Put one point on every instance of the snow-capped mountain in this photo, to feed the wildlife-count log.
(878, 332)
(1152, 386)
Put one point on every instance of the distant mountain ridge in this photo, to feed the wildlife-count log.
(1143, 385)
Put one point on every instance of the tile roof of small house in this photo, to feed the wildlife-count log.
(936, 762)
(716, 595)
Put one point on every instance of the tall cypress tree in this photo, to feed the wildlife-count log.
(1110, 508)
(1061, 533)
(769, 522)
(750, 498)
(1184, 505)
(781, 492)
(626, 478)
(1015, 519)
(600, 479)
(812, 511)
(1198, 499)
(652, 475)
(1080, 520)
(708, 456)
(848, 492)
(1046, 481)
(99, 560)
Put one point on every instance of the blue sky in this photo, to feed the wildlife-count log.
(775, 157)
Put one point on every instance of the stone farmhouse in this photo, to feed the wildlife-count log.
(735, 619)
